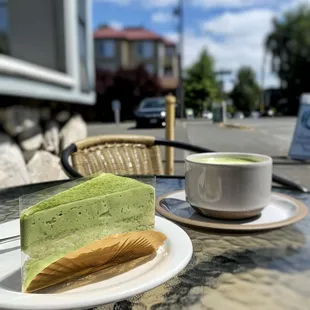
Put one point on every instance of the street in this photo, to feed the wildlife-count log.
(269, 136)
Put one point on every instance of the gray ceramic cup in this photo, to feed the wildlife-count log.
(229, 190)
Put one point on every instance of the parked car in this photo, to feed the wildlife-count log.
(151, 112)
(207, 114)
(255, 114)
(189, 114)
(239, 115)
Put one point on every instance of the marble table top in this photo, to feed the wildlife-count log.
(262, 270)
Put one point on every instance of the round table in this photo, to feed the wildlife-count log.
(262, 270)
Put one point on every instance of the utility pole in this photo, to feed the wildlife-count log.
(262, 99)
(179, 11)
(221, 74)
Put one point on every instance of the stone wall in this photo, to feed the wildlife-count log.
(32, 138)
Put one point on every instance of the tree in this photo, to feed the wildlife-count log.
(129, 86)
(289, 45)
(200, 85)
(246, 93)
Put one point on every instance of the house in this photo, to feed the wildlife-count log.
(134, 46)
(46, 50)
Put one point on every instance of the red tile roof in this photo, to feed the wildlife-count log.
(108, 33)
(129, 33)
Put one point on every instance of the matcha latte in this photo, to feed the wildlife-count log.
(224, 160)
(228, 185)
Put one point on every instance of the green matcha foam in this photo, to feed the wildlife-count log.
(92, 210)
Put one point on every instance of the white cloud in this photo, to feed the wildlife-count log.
(271, 80)
(118, 2)
(224, 3)
(249, 23)
(162, 17)
(145, 3)
(116, 25)
(210, 4)
(292, 4)
(158, 3)
(173, 36)
(235, 4)
(234, 40)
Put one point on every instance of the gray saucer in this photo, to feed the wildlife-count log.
(281, 211)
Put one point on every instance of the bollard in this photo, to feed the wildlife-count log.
(170, 121)
(116, 107)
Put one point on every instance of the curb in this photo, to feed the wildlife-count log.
(236, 126)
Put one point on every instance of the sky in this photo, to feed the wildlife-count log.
(233, 31)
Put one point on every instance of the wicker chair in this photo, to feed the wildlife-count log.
(128, 155)
(121, 154)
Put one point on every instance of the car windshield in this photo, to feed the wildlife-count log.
(153, 103)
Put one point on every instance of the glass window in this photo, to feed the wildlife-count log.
(111, 66)
(161, 50)
(34, 38)
(82, 10)
(84, 75)
(170, 51)
(145, 49)
(168, 71)
(149, 68)
(4, 25)
(107, 48)
(153, 103)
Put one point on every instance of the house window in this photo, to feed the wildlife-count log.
(111, 66)
(161, 50)
(4, 25)
(145, 49)
(149, 68)
(170, 51)
(168, 71)
(107, 48)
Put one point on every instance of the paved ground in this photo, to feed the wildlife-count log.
(270, 136)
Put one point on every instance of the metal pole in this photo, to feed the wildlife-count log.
(170, 117)
(262, 99)
(180, 57)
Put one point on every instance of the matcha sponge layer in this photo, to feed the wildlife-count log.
(90, 211)
(103, 184)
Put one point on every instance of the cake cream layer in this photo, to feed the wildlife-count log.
(60, 225)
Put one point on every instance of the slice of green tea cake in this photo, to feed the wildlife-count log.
(102, 206)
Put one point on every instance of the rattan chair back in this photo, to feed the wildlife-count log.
(119, 154)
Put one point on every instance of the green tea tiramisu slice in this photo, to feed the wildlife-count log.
(90, 211)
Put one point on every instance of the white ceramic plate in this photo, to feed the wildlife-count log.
(282, 210)
(170, 259)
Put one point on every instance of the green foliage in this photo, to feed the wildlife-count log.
(289, 44)
(246, 92)
(231, 109)
(200, 85)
